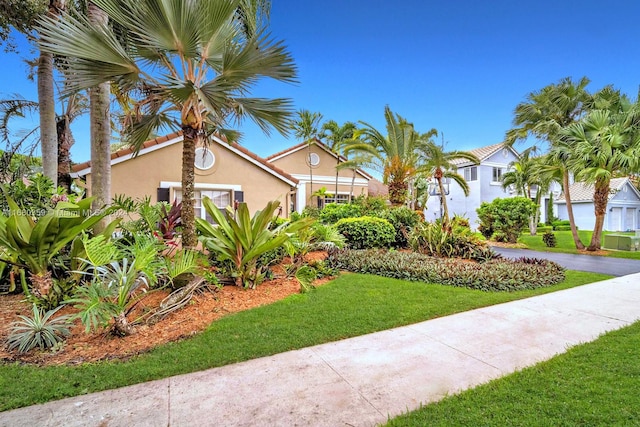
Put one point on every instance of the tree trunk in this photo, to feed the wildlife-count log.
(310, 172)
(353, 184)
(572, 221)
(443, 203)
(65, 141)
(121, 326)
(335, 195)
(397, 191)
(600, 200)
(46, 101)
(100, 133)
(187, 212)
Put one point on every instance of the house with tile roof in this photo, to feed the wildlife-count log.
(623, 207)
(314, 166)
(484, 180)
(227, 172)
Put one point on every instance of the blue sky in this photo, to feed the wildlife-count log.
(459, 66)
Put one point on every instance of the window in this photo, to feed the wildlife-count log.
(471, 173)
(497, 175)
(341, 198)
(220, 198)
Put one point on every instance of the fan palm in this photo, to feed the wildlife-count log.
(544, 115)
(605, 144)
(437, 164)
(396, 154)
(193, 64)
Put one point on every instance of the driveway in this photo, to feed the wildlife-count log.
(597, 264)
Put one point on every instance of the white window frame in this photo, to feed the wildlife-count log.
(500, 172)
(469, 173)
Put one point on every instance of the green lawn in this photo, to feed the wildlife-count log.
(566, 244)
(594, 384)
(349, 306)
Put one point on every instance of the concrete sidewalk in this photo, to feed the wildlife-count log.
(360, 381)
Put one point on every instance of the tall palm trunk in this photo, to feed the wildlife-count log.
(353, 184)
(335, 195)
(100, 133)
(187, 212)
(572, 221)
(310, 172)
(46, 101)
(65, 141)
(443, 201)
(600, 200)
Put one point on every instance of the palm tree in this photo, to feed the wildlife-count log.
(396, 154)
(544, 115)
(527, 173)
(99, 96)
(435, 163)
(337, 137)
(605, 144)
(193, 64)
(305, 127)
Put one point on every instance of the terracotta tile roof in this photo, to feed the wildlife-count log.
(581, 192)
(481, 153)
(162, 139)
(128, 151)
(319, 144)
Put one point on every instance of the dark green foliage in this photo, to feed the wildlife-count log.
(550, 217)
(494, 275)
(403, 220)
(430, 238)
(563, 228)
(560, 223)
(367, 232)
(34, 197)
(543, 229)
(371, 206)
(504, 219)
(311, 212)
(333, 212)
(549, 239)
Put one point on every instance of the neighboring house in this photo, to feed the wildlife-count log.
(224, 172)
(484, 180)
(623, 208)
(296, 161)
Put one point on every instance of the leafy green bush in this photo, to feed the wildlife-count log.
(549, 239)
(560, 223)
(371, 206)
(333, 212)
(403, 220)
(494, 275)
(367, 232)
(563, 228)
(504, 219)
(430, 238)
(39, 330)
(543, 228)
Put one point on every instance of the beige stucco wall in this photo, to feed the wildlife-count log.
(141, 176)
(323, 174)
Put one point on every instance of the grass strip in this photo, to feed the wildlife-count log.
(594, 384)
(349, 306)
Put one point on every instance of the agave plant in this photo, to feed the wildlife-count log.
(242, 238)
(40, 330)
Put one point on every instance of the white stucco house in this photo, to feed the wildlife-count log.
(623, 209)
(484, 180)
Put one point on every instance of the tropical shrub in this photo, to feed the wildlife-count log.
(366, 232)
(505, 219)
(40, 330)
(36, 195)
(333, 212)
(430, 238)
(36, 241)
(549, 239)
(560, 223)
(543, 229)
(403, 220)
(494, 275)
(371, 206)
(241, 239)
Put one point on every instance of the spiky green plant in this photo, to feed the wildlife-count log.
(40, 330)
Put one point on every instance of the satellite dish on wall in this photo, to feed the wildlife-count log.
(205, 159)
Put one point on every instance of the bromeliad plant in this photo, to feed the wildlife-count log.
(35, 241)
(240, 238)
